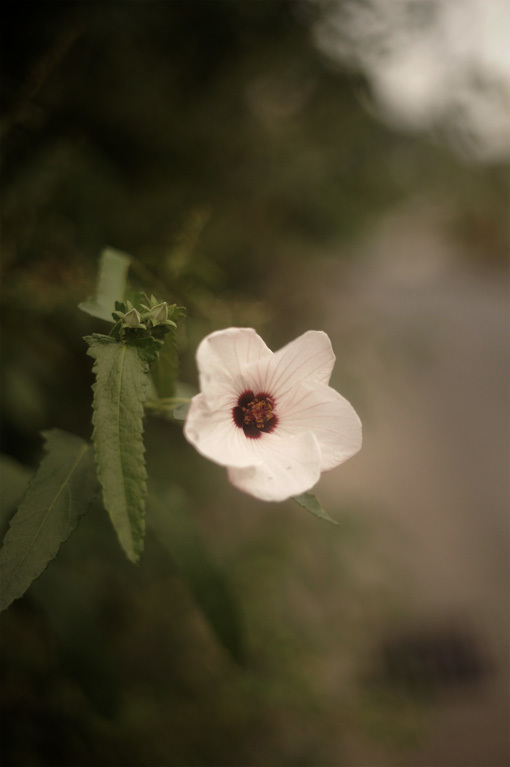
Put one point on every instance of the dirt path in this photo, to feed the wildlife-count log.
(431, 356)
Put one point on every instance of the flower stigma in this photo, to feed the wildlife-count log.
(254, 414)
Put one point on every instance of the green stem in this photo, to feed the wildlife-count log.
(166, 403)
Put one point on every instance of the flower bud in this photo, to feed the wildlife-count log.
(131, 319)
(159, 313)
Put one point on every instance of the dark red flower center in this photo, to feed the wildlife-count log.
(254, 414)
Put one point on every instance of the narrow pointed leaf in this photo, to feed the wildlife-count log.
(111, 284)
(120, 390)
(309, 502)
(14, 479)
(169, 517)
(59, 493)
(165, 368)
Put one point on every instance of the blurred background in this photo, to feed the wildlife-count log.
(286, 165)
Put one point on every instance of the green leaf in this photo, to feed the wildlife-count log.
(309, 502)
(169, 517)
(111, 284)
(164, 370)
(14, 479)
(57, 496)
(119, 393)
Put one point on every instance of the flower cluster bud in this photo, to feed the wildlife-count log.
(132, 319)
(153, 318)
(159, 313)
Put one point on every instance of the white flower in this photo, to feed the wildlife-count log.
(270, 418)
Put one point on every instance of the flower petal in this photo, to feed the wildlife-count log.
(287, 467)
(322, 410)
(309, 357)
(316, 428)
(214, 434)
(223, 356)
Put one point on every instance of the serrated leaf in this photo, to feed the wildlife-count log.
(164, 370)
(309, 502)
(111, 284)
(14, 479)
(169, 517)
(59, 493)
(120, 390)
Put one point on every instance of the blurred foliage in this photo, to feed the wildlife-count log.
(211, 141)
(104, 663)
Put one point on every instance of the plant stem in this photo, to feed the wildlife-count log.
(166, 403)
